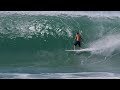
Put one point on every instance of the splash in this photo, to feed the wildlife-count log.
(106, 45)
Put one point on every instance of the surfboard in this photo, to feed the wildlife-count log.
(81, 50)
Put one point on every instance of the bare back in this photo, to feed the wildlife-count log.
(78, 37)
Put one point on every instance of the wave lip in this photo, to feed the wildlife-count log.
(69, 13)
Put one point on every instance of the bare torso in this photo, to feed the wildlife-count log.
(78, 37)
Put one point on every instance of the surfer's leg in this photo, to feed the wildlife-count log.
(75, 44)
(74, 47)
(79, 45)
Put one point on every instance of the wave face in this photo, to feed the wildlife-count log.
(34, 43)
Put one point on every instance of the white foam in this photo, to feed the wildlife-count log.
(106, 45)
(70, 13)
(79, 75)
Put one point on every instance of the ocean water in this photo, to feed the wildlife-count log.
(33, 44)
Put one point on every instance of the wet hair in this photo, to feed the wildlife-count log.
(77, 33)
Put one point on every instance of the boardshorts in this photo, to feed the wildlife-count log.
(77, 43)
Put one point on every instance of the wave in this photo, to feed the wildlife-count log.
(59, 29)
(40, 40)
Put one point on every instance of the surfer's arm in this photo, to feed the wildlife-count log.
(81, 38)
(75, 37)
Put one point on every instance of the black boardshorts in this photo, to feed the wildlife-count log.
(77, 43)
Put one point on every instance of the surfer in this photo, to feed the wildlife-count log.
(77, 40)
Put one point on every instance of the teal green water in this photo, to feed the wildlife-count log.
(37, 43)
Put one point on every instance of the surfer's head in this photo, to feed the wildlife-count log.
(77, 33)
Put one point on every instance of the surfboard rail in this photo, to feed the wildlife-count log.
(81, 50)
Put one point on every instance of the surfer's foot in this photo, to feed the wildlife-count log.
(74, 48)
(80, 48)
